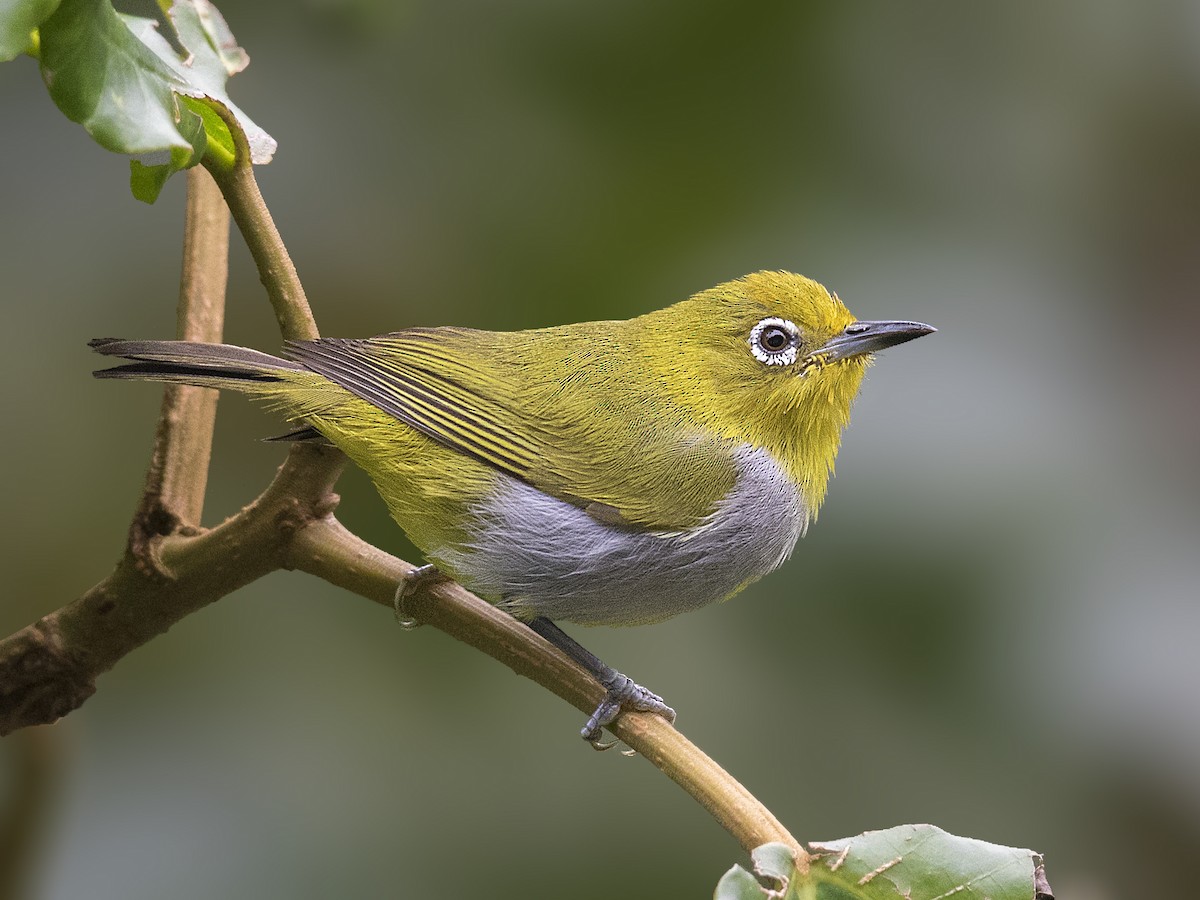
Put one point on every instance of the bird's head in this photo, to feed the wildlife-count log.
(774, 359)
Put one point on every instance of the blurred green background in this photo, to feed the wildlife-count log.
(994, 625)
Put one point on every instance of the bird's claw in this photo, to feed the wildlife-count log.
(421, 576)
(622, 693)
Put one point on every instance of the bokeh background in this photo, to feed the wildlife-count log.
(993, 627)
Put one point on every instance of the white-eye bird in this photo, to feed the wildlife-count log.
(609, 473)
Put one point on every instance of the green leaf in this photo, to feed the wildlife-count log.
(738, 884)
(106, 79)
(135, 93)
(214, 58)
(146, 182)
(220, 141)
(910, 862)
(18, 19)
(775, 861)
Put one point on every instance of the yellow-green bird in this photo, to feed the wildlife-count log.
(605, 473)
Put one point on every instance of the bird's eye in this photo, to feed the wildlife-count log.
(774, 339)
(775, 342)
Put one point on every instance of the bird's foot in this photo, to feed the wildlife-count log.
(623, 693)
(420, 577)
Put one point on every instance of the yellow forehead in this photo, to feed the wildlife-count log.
(808, 303)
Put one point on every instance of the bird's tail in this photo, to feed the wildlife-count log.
(285, 386)
(205, 365)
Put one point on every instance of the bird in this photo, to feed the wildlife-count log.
(599, 473)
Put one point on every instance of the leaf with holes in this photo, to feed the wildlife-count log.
(910, 862)
(137, 92)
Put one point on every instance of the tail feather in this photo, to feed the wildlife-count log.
(190, 362)
(304, 434)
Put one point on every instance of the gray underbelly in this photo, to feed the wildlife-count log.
(536, 555)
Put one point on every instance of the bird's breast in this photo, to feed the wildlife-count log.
(537, 555)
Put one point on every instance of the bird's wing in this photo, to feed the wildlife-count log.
(579, 423)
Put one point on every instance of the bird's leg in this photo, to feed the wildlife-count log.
(623, 693)
(421, 576)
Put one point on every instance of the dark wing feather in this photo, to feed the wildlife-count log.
(418, 395)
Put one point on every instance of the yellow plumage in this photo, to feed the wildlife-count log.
(613, 472)
(639, 415)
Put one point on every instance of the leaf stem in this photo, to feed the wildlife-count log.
(218, 157)
(275, 267)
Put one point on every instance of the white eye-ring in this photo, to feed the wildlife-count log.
(775, 341)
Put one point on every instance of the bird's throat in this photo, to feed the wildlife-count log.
(804, 430)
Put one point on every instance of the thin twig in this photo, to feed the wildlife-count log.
(326, 549)
(178, 476)
(278, 275)
(254, 221)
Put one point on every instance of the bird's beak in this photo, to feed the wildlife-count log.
(867, 337)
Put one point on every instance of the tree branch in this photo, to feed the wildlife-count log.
(326, 549)
(168, 571)
(178, 475)
(49, 668)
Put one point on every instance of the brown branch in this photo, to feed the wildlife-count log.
(178, 475)
(326, 549)
(169, 571)
(49, 668)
